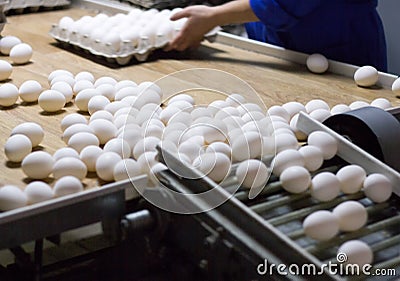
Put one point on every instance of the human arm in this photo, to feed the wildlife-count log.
(201, 19)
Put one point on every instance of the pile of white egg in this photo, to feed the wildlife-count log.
(120, 34)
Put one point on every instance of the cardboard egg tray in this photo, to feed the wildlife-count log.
(33, 5)
(121, 52)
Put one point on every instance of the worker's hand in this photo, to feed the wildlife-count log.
(200, 20)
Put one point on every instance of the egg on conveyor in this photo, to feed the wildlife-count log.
(377, 187)
(125, 169)
(38, 165)
(325, 186)
(351, 178)
(21, 53)
(17, 147)
(352, 215)
(7, 42)
(38, 191)
(381, 103)
(216, 165)
(12, 197)
(313, 157)
(89, 156)
(366, 76)
(32, 130)
(357, 253)
(8, 94)
(286, 159)
(325, 142)
(321, 225)
(51, 100)
(65, 152)
(5, 70)
(67, 185)
(295, 179)
(317, 63)
(30, 90)
(252, 173)
(82, 139)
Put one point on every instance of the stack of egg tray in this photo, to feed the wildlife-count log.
(113, 45)
(33, 5)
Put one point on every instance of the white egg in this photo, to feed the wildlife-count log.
(148, 96)
(248, 107)
(119, 146)
(12, 197)
(357, 253)
(366, 76)
(89, 156)
(351, 178)
(246, 146)
(74, 129)
(219, 147)
(277, 110)
(200, 112)
(252, 173)
(105, 80)
(65, 152)
(131, 91)
(38, 191)
(65, 22)
(125, 169)
(107, 90)
(131, 135)
(21, 53)
(5, 70)
(190, 149)
(352, 215)
(340, 108)
(65, 89)
(82, 139)
(114, 106)
(148, 85)
(51, 100)
(7, 43)
(316, 104)
(63, 78)
(377, 187)
(313, 157)
(147, 160)
(286, 159)
(69, 166)
(67, 185)
(59, 72)
(123, 84)
(83, 97)
(181, 117)
(381, 103)
(320, 114)
(181, 97)
(17, 147)
(321, 225)
(317, 63)
(32, 130)
(295, 179)
(37, 165)
(97, 103)
(396, 86)
(105, 164)
(30, 90)
(358, 104)
(8, 94)
(84, 76)
(325, 186)
(325, 142)
(216, 165)
(285, 141)
(101, 114)
(71, 119)
(103, 129)
(144, 145)
(153, 131)
(293, 126)
(294, 107)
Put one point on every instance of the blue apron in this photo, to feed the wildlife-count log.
(349, 31)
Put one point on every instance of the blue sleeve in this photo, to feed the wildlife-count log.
(281, 15)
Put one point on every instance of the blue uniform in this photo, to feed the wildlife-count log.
(350, 31)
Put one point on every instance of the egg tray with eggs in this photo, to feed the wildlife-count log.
(121, 37)
(19, 6)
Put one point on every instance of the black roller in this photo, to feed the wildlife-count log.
(372, 129)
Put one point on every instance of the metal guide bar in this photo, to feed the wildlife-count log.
(351, 152)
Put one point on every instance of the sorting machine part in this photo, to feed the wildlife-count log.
(373, 129)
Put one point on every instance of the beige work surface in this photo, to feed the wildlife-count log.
(276, 81)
